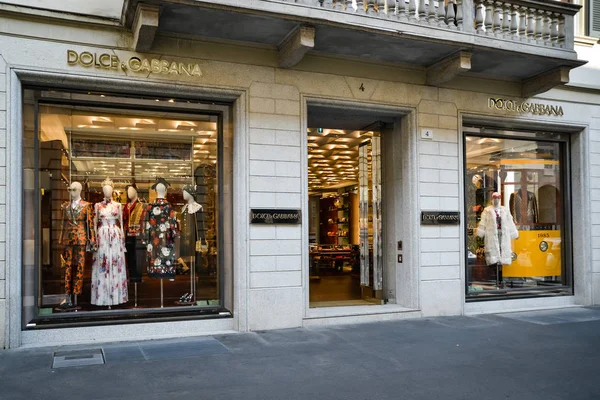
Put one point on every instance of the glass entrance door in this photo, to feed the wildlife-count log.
(344, 177)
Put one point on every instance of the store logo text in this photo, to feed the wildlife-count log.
(525, 108)
(136, 64)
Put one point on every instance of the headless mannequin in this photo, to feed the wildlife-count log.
(190, 235)
(75, 190)
(134, 246)
(76, 235)
(161, 191)
(496, 204)
(192, 205)
(497, 228)
(107, 190)
(132, 194)
(160, 235)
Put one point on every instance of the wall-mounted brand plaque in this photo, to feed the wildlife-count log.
(275, 216)
(523, 107)
(440, 218)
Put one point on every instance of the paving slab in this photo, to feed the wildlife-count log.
(552, 354)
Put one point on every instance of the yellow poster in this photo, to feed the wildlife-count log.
(535, 254)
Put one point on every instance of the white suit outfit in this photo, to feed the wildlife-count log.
(497, 242)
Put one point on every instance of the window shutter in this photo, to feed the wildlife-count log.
(594, 18)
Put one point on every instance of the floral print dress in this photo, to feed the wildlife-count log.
(160, 234)
(109, 273)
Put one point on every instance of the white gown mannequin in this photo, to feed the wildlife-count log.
(109, 270)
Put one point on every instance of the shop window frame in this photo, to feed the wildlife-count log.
(538, 135)
(133, 102)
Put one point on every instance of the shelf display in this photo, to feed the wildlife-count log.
(336, 226)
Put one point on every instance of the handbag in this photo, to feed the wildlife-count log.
(202, 244)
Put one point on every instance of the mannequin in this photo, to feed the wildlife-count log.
(497, 228)
(133, 219)
(109, 273)
(192, 234)
(78, 236)
(160, 233)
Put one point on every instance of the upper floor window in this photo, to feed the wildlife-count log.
(593, 18)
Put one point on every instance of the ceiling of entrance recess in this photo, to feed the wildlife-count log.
(239, 25)
(333, 157)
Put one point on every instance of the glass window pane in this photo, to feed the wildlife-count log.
(92, 233)
(514, 210)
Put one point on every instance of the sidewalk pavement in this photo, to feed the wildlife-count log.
(553, 354)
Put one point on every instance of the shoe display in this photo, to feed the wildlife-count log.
(66, 304)
(183, 299)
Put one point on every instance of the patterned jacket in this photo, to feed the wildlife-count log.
(77, 224)
(133, 218)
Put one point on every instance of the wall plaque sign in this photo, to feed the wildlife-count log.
(523, 107)
(440, 218)
(90, 59)
(275, 216)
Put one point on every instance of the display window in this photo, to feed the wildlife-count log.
(345, 231)
(122, 206)
(517, 215)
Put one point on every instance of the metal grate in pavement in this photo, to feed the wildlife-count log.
(80, 358)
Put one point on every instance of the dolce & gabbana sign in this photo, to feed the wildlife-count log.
(440, 218)
(523, 107)
(136, 64)
(275, 216)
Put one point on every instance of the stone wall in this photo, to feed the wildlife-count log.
(595, 200)
(3, 282)
(275, 287)
(276, 290)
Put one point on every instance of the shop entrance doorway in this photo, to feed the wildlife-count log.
(346, 259)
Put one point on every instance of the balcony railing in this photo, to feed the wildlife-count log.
(529, 41)
(546, 23)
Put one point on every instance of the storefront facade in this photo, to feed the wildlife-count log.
(80, 104)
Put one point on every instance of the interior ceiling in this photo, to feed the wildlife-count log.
(345, 118)
(489, 151)
(108, 144)
(333, 157)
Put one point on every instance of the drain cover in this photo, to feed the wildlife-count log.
(64, 359)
